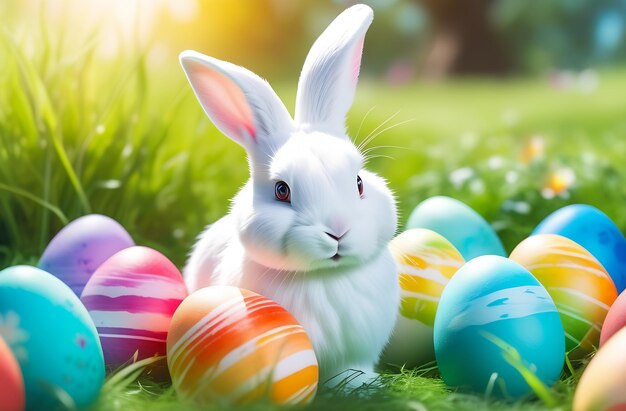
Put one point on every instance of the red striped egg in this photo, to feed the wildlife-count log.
(131, 298)
(230, 344)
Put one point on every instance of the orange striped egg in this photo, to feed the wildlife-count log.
(579, 285)
(426, 261)
(231, 344)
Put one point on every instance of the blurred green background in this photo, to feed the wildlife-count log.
(514, 107)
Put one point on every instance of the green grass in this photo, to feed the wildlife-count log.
(126, 138)
(406, 391)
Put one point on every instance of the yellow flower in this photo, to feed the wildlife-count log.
(558, 183)
(532, 150)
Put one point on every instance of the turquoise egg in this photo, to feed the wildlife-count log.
(593, 230)
(459, 224)
(495, 326)
(53, 338)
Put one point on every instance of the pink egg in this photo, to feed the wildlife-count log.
(131, 298)
(11, 382)
(615, 320)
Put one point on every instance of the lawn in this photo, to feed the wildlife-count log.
(127, 138)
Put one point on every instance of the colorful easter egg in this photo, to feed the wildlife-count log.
(233, 345)
(459, 224)
(11, 382)
(615, 320)
(592, 229)
(601, 387)
(426, 261)
(578, 284)
(495, 326)
(132, 298)
(80, 247)
(52, 337)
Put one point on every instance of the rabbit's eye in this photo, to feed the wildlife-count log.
(359, 185)
(282, 192)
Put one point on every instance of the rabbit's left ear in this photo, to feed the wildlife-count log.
(331, 70)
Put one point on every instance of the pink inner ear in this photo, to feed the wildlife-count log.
(356, 59)
(223, 101)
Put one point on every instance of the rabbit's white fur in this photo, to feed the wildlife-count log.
(284, 250)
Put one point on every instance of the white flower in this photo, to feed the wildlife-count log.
(14, 335)
(495, 162)
(459, 176)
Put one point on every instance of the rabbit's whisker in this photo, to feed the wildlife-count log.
(378, 133)
(363, 121)
(368, 138)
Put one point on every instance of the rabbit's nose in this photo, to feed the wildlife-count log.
(336, 237)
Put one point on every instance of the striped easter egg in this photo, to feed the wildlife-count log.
(579, 285)
(426, 261)
(131, 298)
(230, 344)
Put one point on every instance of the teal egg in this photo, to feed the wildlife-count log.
(53, 338)
(459, 224)
(495, 327)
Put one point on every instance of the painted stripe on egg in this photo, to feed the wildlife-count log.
(243, 347)
(509, 303)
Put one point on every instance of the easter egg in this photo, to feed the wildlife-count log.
(426, 261)
(52, 337)
(80, 247)
(593, 230)
(233, 345)
(495, 326)
(132, 298)
(580, 287)
(11, 382)
(615, 320)
(459, 224)
(601, 387)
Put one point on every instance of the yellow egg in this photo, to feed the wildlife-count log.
(425, 261)
(232, 345)
(579, 285)
(601, 387)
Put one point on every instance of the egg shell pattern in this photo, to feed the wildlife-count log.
(593, 230)
(80, 247)
(601, 387)
(132, 298)
(11, 382)
(615, 320)
(578, 284)
(468, 232)
(495, 317)
(236, 346)
(53, 338)
(425, 261)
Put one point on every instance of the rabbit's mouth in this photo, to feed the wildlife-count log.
(336, 257)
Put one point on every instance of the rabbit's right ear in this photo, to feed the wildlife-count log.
(241, 104)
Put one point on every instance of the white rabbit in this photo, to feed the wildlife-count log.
(310, 228)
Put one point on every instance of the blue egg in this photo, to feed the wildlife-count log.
(495, 324)
(459, 224)
(53, 338)
(593, 230)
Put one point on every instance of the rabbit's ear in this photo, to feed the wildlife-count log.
(331, 70)
(241, 104)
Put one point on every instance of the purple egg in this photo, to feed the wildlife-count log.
(81, 247)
